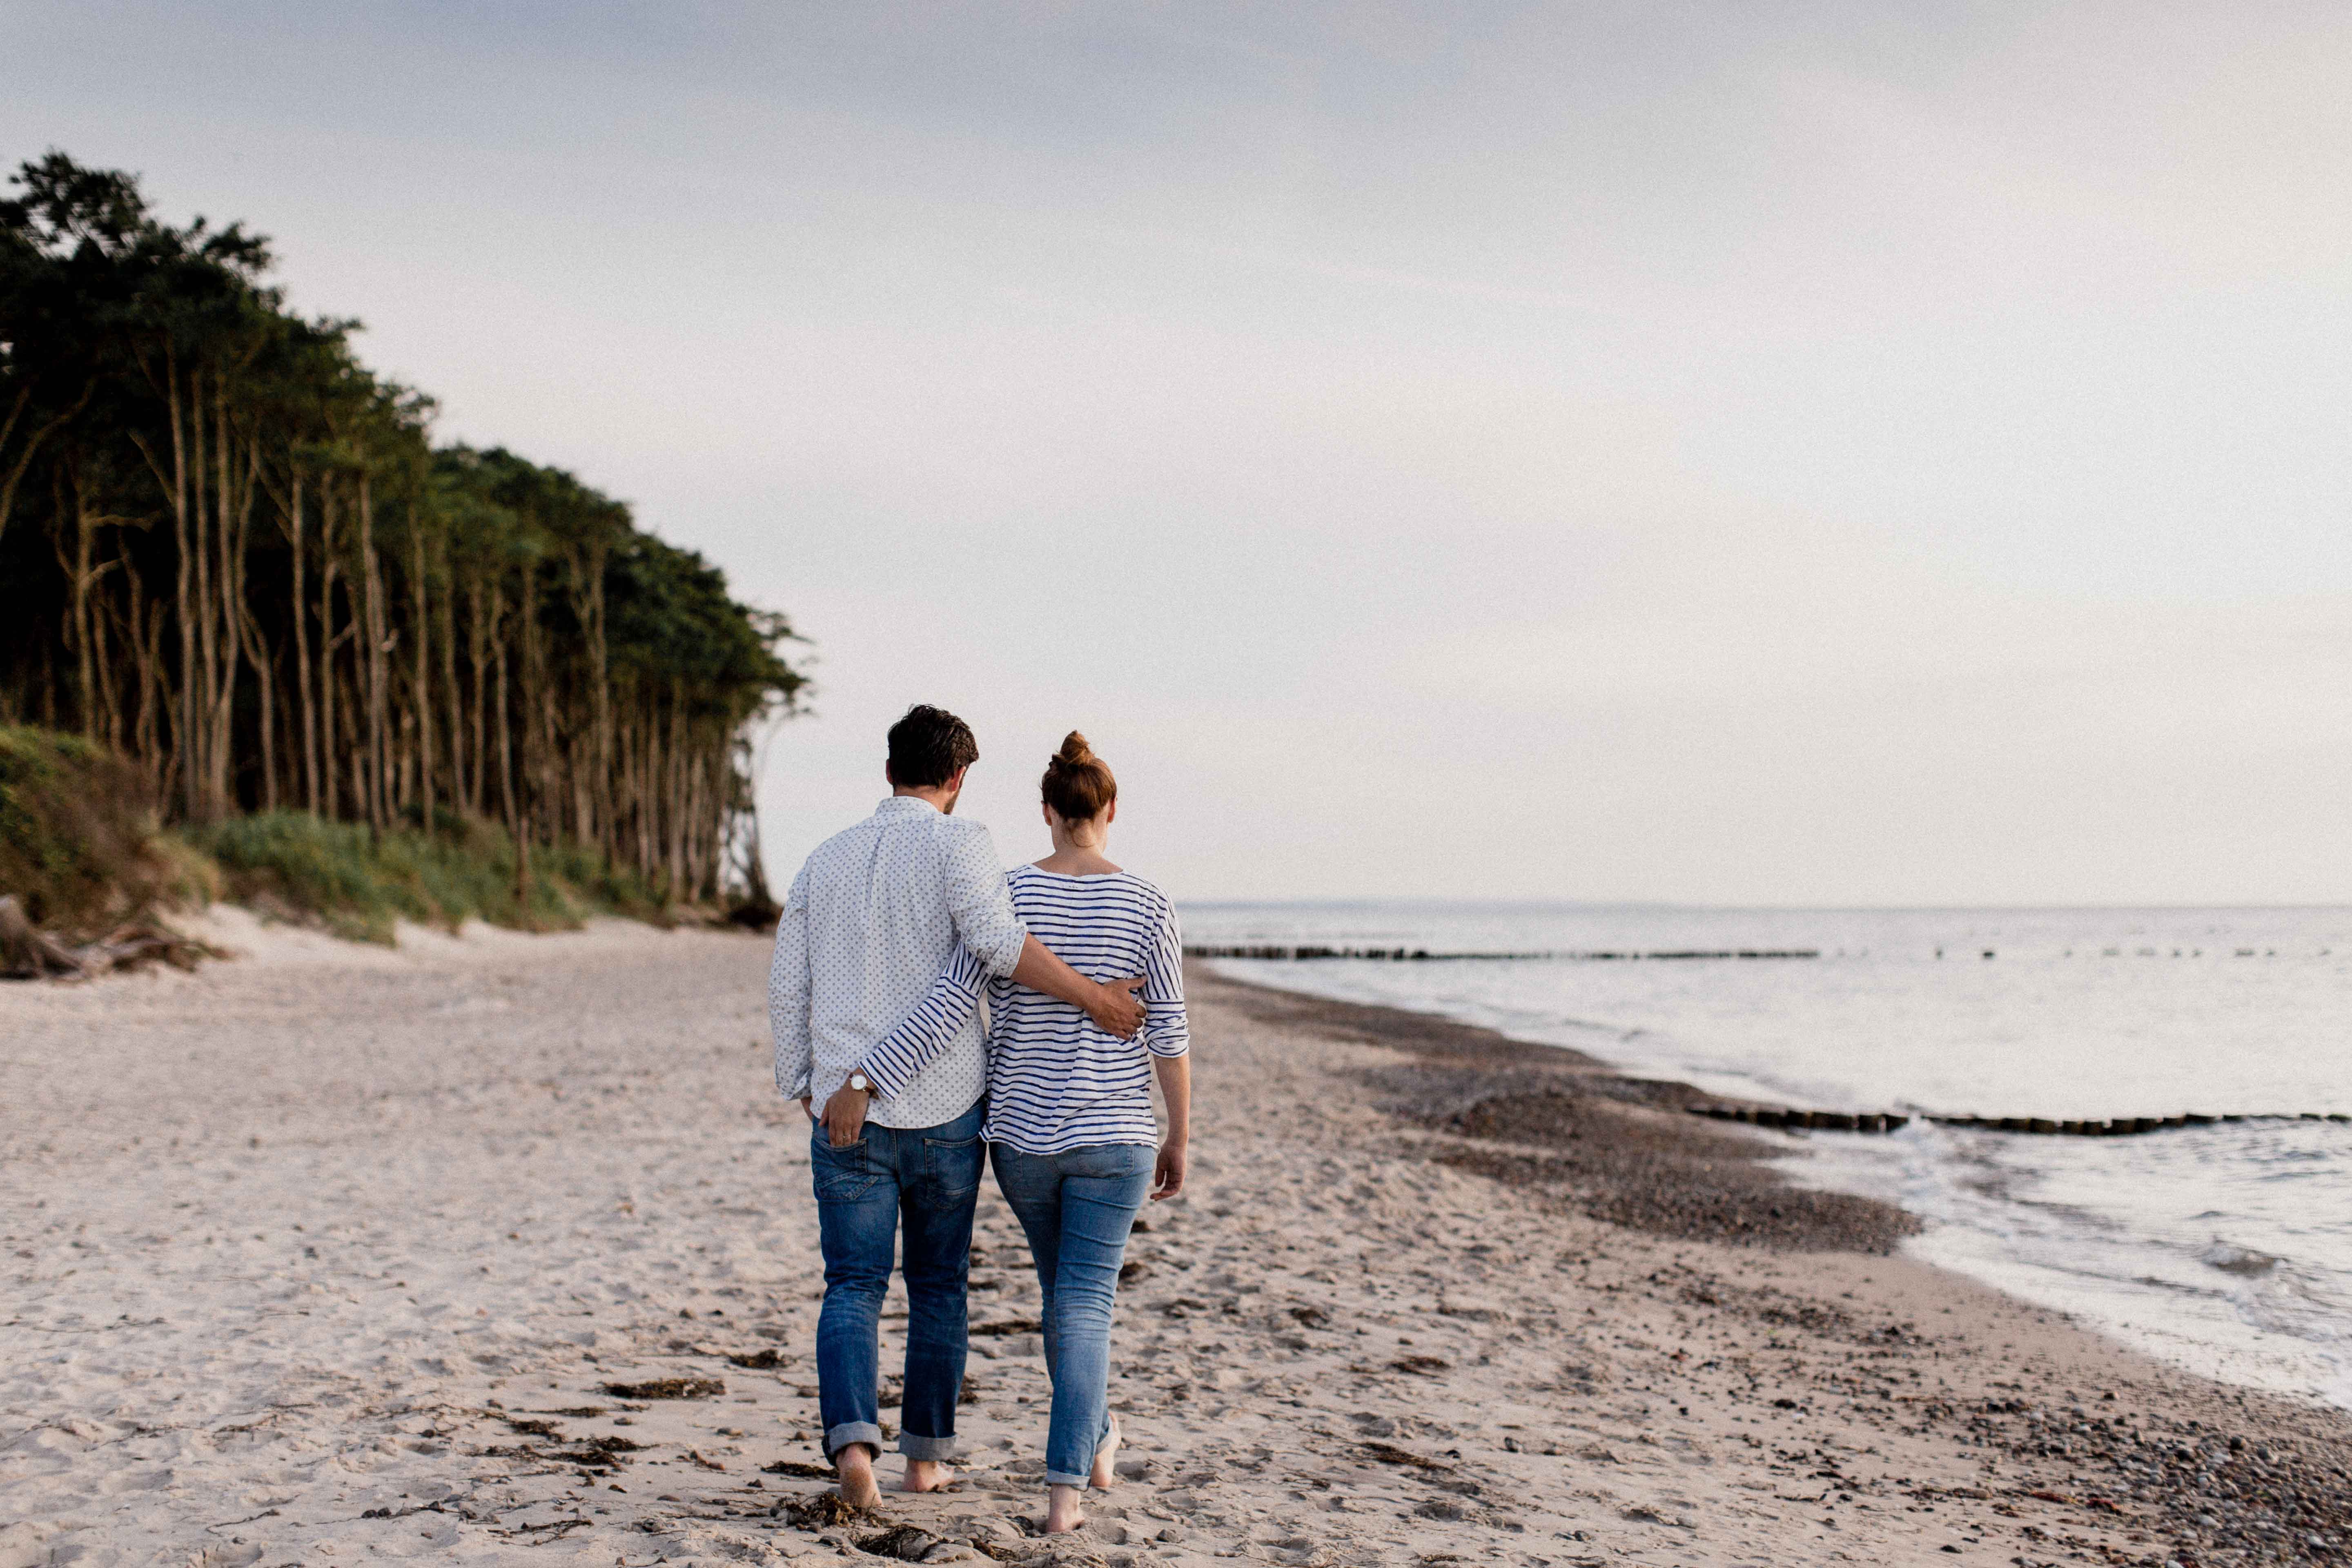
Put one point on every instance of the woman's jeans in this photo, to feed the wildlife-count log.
(923, 1179)
(1077, 1207)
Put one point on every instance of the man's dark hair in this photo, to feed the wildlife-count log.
(929, 747)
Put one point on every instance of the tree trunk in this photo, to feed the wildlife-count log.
(33, 443)
(534, 730)
(258, 648)
(648, 789)
(201, 768)
(112, 682)
(350, 721)
(747, 765)
(481, 626)
(421, 626)
(263, 658)
(152, 696)
(80, 576)
(331, 772)
(676, 787)
(506, 797)
(142, 632)
(519, 820)
(184, 728)
(453, 696)
(591, 774)
(375, 637)
(301, 620)
(235, 520)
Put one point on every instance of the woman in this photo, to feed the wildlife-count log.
(1069, 1125)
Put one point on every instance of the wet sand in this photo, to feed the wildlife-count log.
(332, 1254)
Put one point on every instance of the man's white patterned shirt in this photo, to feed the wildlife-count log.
(873, 918)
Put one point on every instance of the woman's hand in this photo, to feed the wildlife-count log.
(1168, 1173)
(1175, 1076)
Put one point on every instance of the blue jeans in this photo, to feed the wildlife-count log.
(923, 1181)
(1075, 1207)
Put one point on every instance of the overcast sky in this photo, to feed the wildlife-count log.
(1740, 453)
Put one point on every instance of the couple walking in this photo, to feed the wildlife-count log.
(893, 932)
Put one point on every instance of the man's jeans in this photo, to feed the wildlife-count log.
(1077, 1207)
(924, 1179)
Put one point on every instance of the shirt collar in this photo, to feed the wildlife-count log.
(904, 805)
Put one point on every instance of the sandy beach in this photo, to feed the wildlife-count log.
(501, 1248)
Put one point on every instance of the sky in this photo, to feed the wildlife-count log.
(1737, 454)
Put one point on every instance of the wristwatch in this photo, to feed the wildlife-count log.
(861, 1083)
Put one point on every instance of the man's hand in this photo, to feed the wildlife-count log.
(845, 1116)
(1112, 1007)
(1116, 1007)
(1168, 1171)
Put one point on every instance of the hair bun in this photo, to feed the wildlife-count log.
(1077, 784)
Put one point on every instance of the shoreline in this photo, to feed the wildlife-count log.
(1583, 1132)
(327, 1255)
(2107, 1294)
(1506, 1109)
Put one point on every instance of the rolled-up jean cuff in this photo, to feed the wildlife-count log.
(837, 1438)
(914, 1445)
(1057, 1478)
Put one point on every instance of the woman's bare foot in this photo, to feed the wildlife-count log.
(1104, 1475)
(926, 1476)
(1062, 1512)
(855, 1466)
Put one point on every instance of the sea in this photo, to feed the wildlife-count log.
(2224, 1248)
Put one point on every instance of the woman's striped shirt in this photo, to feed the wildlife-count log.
(1056, 1080)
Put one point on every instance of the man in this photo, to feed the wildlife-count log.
(873, 918)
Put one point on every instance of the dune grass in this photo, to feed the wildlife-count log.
(359, 882)
(79, 845)
(82, 849)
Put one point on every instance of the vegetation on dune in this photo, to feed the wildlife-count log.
(82, 863)
(233, 567)
(85, 859)
(79, 845)
(359, 881)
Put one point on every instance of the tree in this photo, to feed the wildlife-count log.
(231, 551)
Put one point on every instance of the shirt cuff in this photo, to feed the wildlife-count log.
(1002, 959)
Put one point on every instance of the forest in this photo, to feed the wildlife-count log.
(232, 556)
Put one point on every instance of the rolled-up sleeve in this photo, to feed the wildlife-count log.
(788, 994)
(1165, 1031)
(979, 901)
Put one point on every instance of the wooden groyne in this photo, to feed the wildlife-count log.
(1871, 1121)
(1424, 955)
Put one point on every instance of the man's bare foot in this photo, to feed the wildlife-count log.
(1062, 1512)
(1103, 1475)
(856, 1465)
(926, 1476)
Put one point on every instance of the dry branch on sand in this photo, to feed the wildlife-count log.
(27, 954)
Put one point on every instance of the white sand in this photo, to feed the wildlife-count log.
(285, 1237)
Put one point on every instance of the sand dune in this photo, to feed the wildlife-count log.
(332, 1254)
